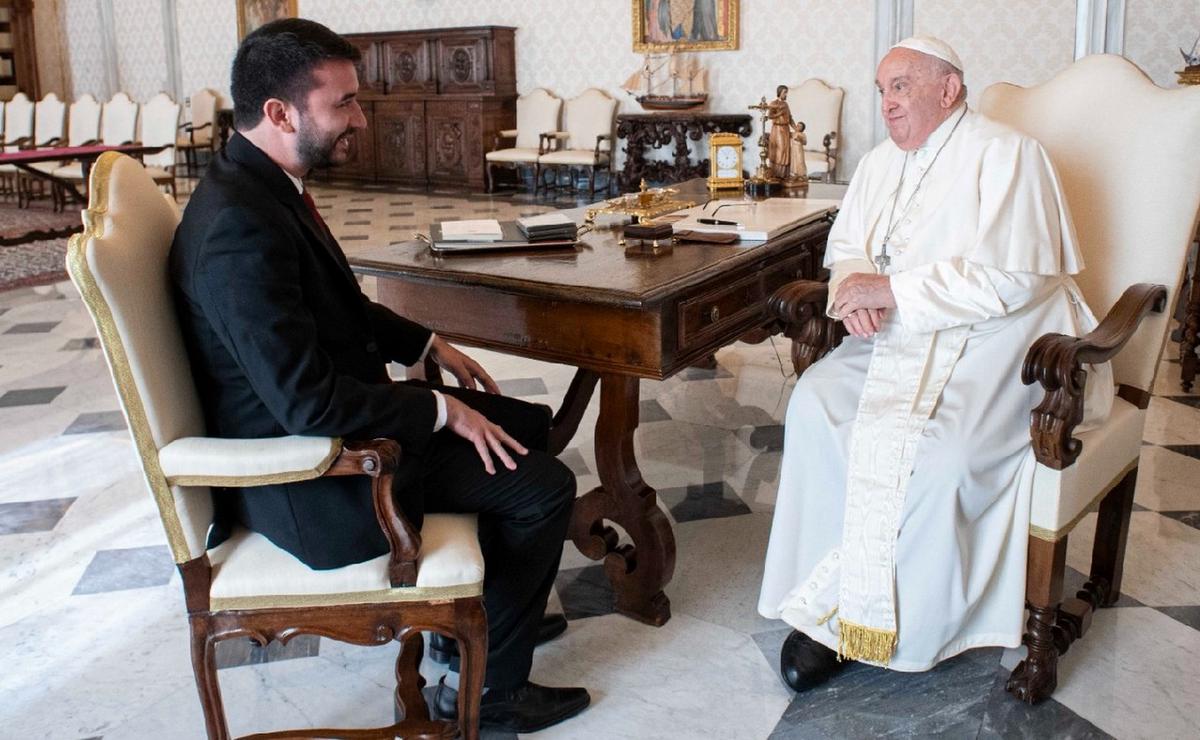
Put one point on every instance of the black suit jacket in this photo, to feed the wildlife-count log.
(282, 341)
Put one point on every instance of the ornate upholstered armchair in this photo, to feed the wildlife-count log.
(118, 125)
(199, 134)
(819, 106)
(587, 141)
(18, 134)
(1134, 231)
(159, 122)
(246, 587)
(537, 114)
(83, 127)
(49, 122)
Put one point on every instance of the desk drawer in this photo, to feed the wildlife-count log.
(737, 306)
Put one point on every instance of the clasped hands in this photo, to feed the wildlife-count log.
(862, 301)
(487, 437)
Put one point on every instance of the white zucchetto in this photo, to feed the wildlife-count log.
(934, 47)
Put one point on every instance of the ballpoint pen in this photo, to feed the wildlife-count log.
(716, 222)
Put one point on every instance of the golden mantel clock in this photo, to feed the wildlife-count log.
(725, 161)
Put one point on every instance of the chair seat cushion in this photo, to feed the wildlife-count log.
(513, 155)
(574, 156)
(69, 171)
(250, 572)
(1062, 497)
(46, 167)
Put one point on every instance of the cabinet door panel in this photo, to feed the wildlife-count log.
(369, 79)
(400, 139)
(455, 140)
(463, 65)
(408, 66)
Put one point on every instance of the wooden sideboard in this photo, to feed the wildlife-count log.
(433, 98)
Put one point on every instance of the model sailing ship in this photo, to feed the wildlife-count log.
(669, 82)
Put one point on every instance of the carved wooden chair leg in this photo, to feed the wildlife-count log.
(410, 704)
(487, 171)
(592, 181)
(1108, 550)
(472, 651)
(1036, 677)
(204, 665)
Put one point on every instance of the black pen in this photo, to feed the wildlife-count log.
(716, 222)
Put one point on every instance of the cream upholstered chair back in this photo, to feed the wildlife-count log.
(203, 105)
(1134, 223)
(588, 116)
(537, 113)
(119, 265)
(18, 120)
(83, 123)
(819, 106)
(159, 122)
(118, 121)
(49, 119)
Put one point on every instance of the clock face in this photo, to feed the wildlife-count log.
(727, 158)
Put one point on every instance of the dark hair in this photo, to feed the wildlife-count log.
(277, 60)
(780, 90)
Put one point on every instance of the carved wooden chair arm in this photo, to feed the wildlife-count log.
(1056, 362)
(799, 309)
(600, 139)
(508, 133)
(551, 141)
(379, 458)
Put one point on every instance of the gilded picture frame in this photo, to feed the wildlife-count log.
(685, 25)
(254, 13)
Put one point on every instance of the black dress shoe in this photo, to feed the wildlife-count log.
(806, 663)
(442, 648)
(527, 708)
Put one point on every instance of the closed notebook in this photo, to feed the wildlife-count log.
(511, 238)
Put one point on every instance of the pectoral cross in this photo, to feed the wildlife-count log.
(882, 260)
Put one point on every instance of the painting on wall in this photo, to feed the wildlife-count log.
(253, 13)
(685, 25)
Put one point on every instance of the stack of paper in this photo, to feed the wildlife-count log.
(509, 237)
(479, 230)
(754, 221)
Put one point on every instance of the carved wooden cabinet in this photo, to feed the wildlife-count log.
(434, 99)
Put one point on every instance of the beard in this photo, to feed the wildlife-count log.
(317, 148)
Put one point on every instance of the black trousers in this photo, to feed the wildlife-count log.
(523, 518)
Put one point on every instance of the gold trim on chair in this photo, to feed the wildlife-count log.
(1048, 535)
(114, 351)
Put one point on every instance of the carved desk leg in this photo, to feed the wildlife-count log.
(638, 571)
(1191, 332)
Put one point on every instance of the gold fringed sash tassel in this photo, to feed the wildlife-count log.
(858, 642)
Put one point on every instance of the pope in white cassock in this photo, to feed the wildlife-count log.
(902, 517)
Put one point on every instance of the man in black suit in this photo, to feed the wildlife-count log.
(282, 341)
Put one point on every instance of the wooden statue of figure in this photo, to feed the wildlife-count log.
(779, 145)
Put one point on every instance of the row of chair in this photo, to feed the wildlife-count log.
(29, 125)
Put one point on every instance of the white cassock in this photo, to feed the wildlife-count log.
(902, 518)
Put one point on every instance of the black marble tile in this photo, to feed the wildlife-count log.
(83, 343)
(768, 438)
(704, 373)
(1190, 518)
(33, 327)
(1073, 581)
(359, 210)
(402, 214)
(361, 200)
(1138, 507)
(1193, 401)
(355, 238)
(441, 208)
(520, 387)
(97, 421)
(585, 592)
(573, 459)
(770, 642)
(1192, 451)
(3, 311)
(1189, 615)
(358, 223)
(400, 203)
(31, 396)
(121, 570)
(23, 517)
(651, 410)
(240, 651)
(714, 500)
(864, 701)
(1005, 717)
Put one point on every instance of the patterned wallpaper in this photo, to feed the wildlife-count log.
(141, 47)
(1154, 32)
(207, 41)
(1020, 41)
(85, 50)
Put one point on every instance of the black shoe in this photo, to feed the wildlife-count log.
(806, 663)
(442, 648)
(527, 708)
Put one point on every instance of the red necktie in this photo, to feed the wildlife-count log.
(312, 208)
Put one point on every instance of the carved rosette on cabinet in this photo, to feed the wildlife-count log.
(433, 99)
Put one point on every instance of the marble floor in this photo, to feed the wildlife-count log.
(93, 637)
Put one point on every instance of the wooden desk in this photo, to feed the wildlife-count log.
(617, 319)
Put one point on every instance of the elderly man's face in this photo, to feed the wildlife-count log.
(917, 96)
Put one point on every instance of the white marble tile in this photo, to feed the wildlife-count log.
(1170, 423)
(1162, 558)
(1135, 675)
(1168, 481)
(687, 679)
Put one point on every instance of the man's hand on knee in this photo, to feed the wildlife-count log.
(487, 437)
